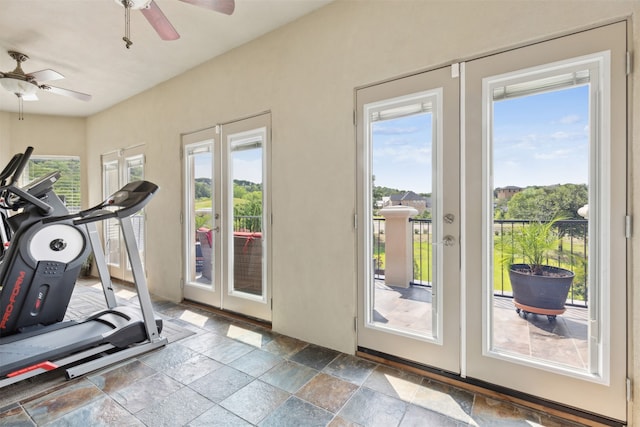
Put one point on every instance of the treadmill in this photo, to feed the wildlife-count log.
(42, 257)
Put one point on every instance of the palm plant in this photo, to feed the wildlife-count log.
(533, 242)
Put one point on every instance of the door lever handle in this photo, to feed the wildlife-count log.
(447, 240)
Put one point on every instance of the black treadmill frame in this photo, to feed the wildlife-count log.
(109, 353)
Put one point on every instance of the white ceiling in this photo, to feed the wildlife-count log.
(82, 40)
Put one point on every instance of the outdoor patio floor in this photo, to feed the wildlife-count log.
(410, 308)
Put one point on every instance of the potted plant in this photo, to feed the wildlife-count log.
(87, 265)
(537, 288)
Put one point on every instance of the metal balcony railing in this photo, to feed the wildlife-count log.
(572, 254)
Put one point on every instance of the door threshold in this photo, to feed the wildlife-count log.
(230, 314)
(490, 390)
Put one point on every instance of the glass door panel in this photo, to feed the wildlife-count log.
(408, 152)
(245, 170)
(545, 195)
(403, 174)
(200, 204)
(134, 167)
(111, 184)
(118, 169)
(201, 242)
(246, 156)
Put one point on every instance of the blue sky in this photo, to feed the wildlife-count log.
(247, 165)
(538, 140)
(542, 139)
(202, 165)
(402, 153)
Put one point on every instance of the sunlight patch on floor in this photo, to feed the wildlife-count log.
(193, 318)
(245, 335)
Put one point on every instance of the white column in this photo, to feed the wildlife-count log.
(398, 269)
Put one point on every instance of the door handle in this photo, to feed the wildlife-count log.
(447, 240)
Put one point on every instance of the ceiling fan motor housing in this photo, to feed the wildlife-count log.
(134, 4)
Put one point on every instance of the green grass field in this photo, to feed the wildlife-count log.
(203, 204)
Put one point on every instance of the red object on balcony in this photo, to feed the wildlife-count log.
(249, 236)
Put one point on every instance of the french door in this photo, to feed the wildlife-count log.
(226, 227)
(543, 138)
(569, 97)
(408, 142)
(118, 169)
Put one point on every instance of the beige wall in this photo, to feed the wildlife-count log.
(5, 148)
(305, 74)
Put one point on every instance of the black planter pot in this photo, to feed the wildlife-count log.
(541, 294)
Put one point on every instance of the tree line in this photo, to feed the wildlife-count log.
(543, 203)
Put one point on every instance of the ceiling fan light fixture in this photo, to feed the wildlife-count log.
(134, 4)
(17, 86)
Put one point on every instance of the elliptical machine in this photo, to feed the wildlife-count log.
(53, 280)
(32, 202)
(38, 275)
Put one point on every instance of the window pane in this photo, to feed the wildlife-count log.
(541, 139)
(403, 286)
(246, 166)
(68, 186)
(112, 226)
(200, 203)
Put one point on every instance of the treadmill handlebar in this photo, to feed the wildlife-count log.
(24, 160)
(123, 203)
(25, 196)
(10, 168)
(14, 197)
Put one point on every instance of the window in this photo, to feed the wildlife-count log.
(68, 186)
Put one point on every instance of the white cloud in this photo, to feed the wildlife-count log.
(560, 135)
(395, 130)
(556, 154)
(399, 153)
(570, 119)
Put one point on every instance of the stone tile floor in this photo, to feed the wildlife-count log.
(220, 371)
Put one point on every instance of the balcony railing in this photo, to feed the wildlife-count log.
(572, 254)
(247, 223)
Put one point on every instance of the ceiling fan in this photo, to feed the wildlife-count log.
(159, 21)
(25, 86)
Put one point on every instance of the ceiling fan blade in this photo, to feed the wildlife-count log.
(29, 97)
(223, 6)
(66, 92)
(46, 75)
(160, 22)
